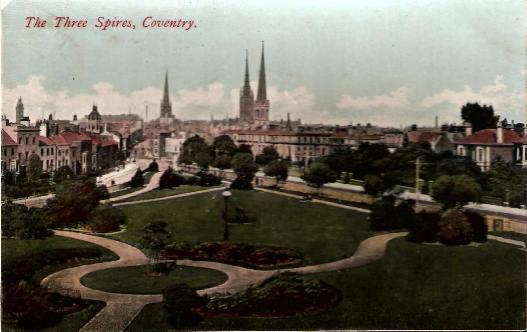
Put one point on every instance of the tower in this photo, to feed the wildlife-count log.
(19, 110)
(246, 97)
(166, 105)
(261, 106)
(94, 121)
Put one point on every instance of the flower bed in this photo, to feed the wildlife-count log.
(235, 253)
(283, 296)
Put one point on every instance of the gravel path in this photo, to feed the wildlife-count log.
(121, 309)
(168, 197)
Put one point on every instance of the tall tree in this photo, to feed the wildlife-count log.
(192, 147)
(480, 117)
(456, 190)
(278, 169)
(268, 154)
(245, 168)
(34, 168)
(223, 145)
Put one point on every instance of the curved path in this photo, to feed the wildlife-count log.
(121, 309)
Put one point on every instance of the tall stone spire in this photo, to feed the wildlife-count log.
(166, 106)
(166, 98)
(246, 84)
(262, 88)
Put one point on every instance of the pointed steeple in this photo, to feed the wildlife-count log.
(246, 84)
(262, 88)
(166, 98)
(166, 106)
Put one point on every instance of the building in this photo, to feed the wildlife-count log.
(254, 113)
(94, 125)
(19, 110)
(166, 117)
(9, 153)
(485, 146)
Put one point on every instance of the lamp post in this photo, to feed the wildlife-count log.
(226, 194)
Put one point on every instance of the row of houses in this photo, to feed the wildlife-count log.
(301, 146)
(79, 151)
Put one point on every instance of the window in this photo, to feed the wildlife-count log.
(33, 140)
(12, 151)
(42, 151)
(47, 152)
(51, 150)
(27, 141)
(5, 152)
(20, 140)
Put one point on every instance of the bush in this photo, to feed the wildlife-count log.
(478, 225)
(179, 300)
(454, 228)
(153, 167)
(23, 222)
(106, 219)
(62, 173)
(425, 228)
(385, 215)
(169, 179)
(137, 180)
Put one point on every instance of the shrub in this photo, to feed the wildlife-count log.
(169, 179)
(425, 228)
(137, 180)
(478, 225)
(454, 228)
(179, 300)
(153, 167)
(385, 215)
(23, 222)
(62, 173)
(106, 219)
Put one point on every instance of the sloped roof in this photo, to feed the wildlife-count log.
(45, 140)
(423, 136)
(7, 139)
(489, 137)
(68, 137)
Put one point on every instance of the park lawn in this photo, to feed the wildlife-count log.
(414, 287)
(322, 233)
(158, 193)
(133, 279)
(14, 249)
(71, 322)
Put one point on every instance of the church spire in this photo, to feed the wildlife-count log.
(246, 84)
(166, 107)
(166, 98)
(262, 88)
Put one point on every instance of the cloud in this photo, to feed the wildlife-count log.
(393, 100)
(506, 102)
(187, 103)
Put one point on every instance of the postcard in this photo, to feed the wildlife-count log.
(263, 165)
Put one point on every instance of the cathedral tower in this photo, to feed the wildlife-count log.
(246, 97)
(261, 106)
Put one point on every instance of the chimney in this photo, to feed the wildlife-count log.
(437, 122)
(499, 134)
(468, 129)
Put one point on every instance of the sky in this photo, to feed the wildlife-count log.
(389, 63)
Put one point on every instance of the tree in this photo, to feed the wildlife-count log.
(8, 178)
(153, 167)
(374, 185)
(244, 148)
(137, 180)
(478, 225)
(223, 162)
(169, 179)
(318, 174)
(278, 169)
(386, 215)
(268, 154)
(155, 237)
(506, 181)
(62, 173)
(73, 202)
(34, 168)
(454, 228)
(203, 159)
(106, 219)
(480, 117)
(245, 169)
(23, 222)
(179, 300)
(223, 145)
(456, 190)
(341, 160)
(192, 147)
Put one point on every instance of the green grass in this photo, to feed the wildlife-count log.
(133, 280)
(13, 249)
(146, 176)
(414, 287)
(158, 193)
(322, 233)
(69, 323)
